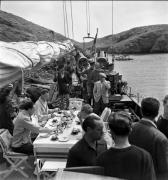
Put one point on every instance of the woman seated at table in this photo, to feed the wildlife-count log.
(41, 107)
(23, 126)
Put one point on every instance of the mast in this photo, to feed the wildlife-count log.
(88, 37)
(112, 36)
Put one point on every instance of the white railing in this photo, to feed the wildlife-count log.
(135, 95)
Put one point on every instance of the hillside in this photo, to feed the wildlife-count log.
(14, 28)
(147, 39)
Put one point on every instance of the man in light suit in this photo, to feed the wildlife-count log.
(146, 135)
(101, 94)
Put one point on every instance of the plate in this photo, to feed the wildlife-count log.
(63, 139)
(44, 135)
(53, 124)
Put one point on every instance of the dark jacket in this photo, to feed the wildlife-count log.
(63, 83)
(8, 110)
(81, 154)
(95, 75)
(145, 135)
(132, 163)
(162, 125)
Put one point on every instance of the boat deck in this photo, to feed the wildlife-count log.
(16, 175)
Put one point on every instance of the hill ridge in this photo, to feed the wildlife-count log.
(144, 39)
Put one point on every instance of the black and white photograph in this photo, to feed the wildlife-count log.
(83, 90)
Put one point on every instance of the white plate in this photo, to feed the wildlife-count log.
(63, 139)
(44, 135)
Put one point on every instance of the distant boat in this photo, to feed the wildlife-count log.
(123, 57)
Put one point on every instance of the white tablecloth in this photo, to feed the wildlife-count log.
(45, 147)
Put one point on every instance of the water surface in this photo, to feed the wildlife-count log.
(146, 74)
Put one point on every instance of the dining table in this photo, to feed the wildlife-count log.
(68, 175)
(57, 144)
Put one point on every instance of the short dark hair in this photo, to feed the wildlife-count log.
(4, 93)
(26, 104)
(44, 91)
(150, 107)
(120, 123)
(90, 121)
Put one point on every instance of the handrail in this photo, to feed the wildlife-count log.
(135, 95)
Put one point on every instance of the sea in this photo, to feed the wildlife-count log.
(146, 74)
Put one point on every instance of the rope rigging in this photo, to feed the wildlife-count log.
(88, 17)
(63, 5)
(112, 33)
(90, 51)
(112, 15)
(65, 16)
(72, 19)
(66, 28)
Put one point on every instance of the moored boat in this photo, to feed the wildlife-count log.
(123, 58)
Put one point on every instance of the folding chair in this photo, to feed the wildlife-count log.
(107, 137)
(15, 159)
(105, 114)
(46, 169)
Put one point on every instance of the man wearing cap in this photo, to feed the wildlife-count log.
(146, 135)
(101, 94)
(125, 160)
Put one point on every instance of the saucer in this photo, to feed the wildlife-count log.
(63, 139)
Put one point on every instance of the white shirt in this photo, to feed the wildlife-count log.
(41, 109)
(74, 79)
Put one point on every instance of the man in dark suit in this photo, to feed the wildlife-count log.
(146, 135)
(86, 150)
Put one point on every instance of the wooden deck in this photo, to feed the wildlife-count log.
(16, 175)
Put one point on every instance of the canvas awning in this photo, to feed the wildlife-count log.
(15, 56)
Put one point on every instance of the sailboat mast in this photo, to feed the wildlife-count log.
(112, 35)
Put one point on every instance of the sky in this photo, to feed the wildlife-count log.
(126, 15)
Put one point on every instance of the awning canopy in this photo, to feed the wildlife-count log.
(15, 56)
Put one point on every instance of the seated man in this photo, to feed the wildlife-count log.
(85, 111)
(41, 107)
(124, 160)
(85, 151)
